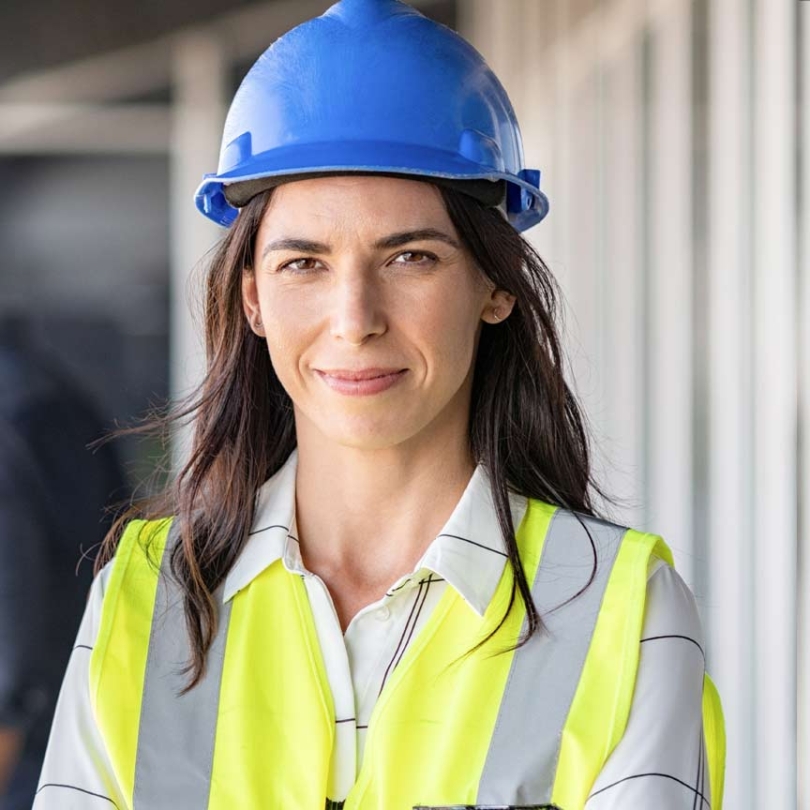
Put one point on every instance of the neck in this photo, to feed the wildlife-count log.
(371, 514)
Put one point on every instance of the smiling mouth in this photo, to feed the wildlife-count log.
(371, 381)
(364, 374)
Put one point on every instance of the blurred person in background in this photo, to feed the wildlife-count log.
(53, 493)
(381, 581)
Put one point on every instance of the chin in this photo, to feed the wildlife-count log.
(370, 434)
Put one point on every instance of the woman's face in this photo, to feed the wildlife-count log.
(368, 274)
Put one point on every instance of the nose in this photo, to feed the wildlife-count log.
(357, 310)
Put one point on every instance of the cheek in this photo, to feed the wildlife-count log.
(289, 322)
(446, 326)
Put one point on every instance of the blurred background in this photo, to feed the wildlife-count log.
(674, 141)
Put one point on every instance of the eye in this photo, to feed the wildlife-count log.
(415, 257)
(299, 266)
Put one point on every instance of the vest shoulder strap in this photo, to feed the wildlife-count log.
(123, 640)
(601, 706)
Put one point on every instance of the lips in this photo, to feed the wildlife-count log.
(362, 374)
(362, 382)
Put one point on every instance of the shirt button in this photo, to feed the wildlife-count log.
(383, 613)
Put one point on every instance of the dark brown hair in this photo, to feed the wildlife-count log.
(525, 425)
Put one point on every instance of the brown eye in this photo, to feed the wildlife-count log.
(415, 257)
(303, 265)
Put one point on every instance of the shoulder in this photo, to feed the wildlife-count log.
(141, 543)
(633, 554)
(671, 615)
(670, 609)
(643, 577)
(125, 591)
(139, 553)
(609, 540)
(140, 533)
(134, 568)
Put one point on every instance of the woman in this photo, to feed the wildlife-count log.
(379, 582)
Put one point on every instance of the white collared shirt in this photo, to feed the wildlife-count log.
(659, 762)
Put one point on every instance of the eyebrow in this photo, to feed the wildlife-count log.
(393, 240)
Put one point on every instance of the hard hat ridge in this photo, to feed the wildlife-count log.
(368, 12)
(371, 86)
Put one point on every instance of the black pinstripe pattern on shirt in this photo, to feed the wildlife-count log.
(473, 543)
(427, 582)
(79, 790)
(410, 625)
(655, 775)
(398, 588)
(401, 638)
(267, 529)
(684, 638)
(699, 772)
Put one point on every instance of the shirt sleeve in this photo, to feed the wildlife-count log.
(660, 761)
(76, 773)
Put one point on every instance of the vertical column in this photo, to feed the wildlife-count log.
(505, 23)
(562, 158)
(197, 118)
(670, 280)
(730, 613)
(775, 458)
(495, 30)
(572, 223)
(803, 692)
(536, 108)
(621, 208)
(583, 285)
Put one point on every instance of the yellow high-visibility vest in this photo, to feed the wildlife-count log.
(454, 725)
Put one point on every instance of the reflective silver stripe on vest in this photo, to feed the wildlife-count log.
(176, 748)
(525, 746)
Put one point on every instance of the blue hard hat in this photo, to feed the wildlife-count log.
(371, 86)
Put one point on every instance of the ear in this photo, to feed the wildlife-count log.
(498, 307)
(250, 302)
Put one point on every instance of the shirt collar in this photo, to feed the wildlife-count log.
(273, 522)
(469, 551)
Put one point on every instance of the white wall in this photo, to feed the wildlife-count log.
(666, 134)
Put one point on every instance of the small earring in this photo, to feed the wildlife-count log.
(496, 313)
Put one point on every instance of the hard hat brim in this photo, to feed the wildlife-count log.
(490, 193)
(526, 206)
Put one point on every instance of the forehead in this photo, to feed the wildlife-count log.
(363, 204)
